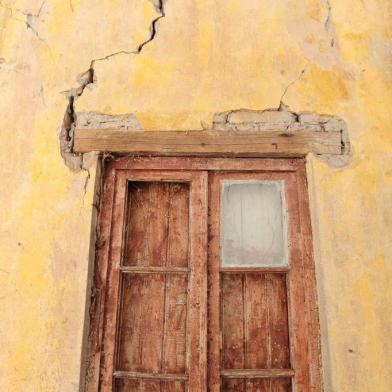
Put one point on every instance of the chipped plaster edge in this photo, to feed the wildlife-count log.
(285, 120)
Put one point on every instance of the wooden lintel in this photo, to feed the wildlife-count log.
(209, 142)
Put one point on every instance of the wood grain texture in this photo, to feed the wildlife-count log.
(261, 385)
(141, 323)
(113, 284)
(254, 321)
(171, 329)
(314, 347)
(97, 307)
(157, 224)
(126, 385)
(174, 342)
(199, 163)
(209, 142)
(256, 373)
(254, 334)
(257, 385)
(298, 312)
(232, 322)
(278, 327)
(214, 301)
(152, 329)
(152, 323)
(197, 318)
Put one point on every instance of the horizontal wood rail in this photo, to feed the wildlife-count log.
(209, 142)
(256, 270)
(150, 376)
(156, 270)
(257, 373)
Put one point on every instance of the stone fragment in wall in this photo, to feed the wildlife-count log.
(275, 120)
(92, 120)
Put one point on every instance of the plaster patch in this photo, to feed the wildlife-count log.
(91, 120)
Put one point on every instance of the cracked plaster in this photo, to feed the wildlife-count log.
(208, 57)
(72, 160)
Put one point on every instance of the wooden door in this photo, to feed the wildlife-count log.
(258, 321)
(163, 321)
(155, 319)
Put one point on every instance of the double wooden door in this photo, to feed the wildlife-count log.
(206, 278)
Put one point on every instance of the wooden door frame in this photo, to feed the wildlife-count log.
(114, 172)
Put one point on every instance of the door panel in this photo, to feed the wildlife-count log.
(149, 386)
(258, 385)
(152, 323)
(156, 307)
(254, 321)
(157, 224)
(249, 265)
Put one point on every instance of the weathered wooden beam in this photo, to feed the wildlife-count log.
(209, 142)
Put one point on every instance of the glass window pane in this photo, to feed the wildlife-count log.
(253, 224)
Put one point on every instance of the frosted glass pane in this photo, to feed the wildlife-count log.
(253, 224)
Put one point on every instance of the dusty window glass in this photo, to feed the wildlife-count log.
(253, 224)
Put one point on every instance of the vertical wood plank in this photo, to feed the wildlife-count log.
(278, 322)
(151, 386)
(172, 386)
(314, 348)
(138, 385)
(178, 222)
(232, 321)
(261, 385)
(97, 306)
(174, 346)
(269, 385)
(197, 318)
(257, 322)
(233, 385)
(113, 282)
(281, 385)
(214, 328)
(122, 385)
(298, 311)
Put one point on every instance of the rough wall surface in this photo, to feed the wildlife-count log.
(174, 64)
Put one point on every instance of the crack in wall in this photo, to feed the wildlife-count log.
(72, 160)
(328, 23)
(281, 103)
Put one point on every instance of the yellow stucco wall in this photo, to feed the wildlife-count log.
(207, 56)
